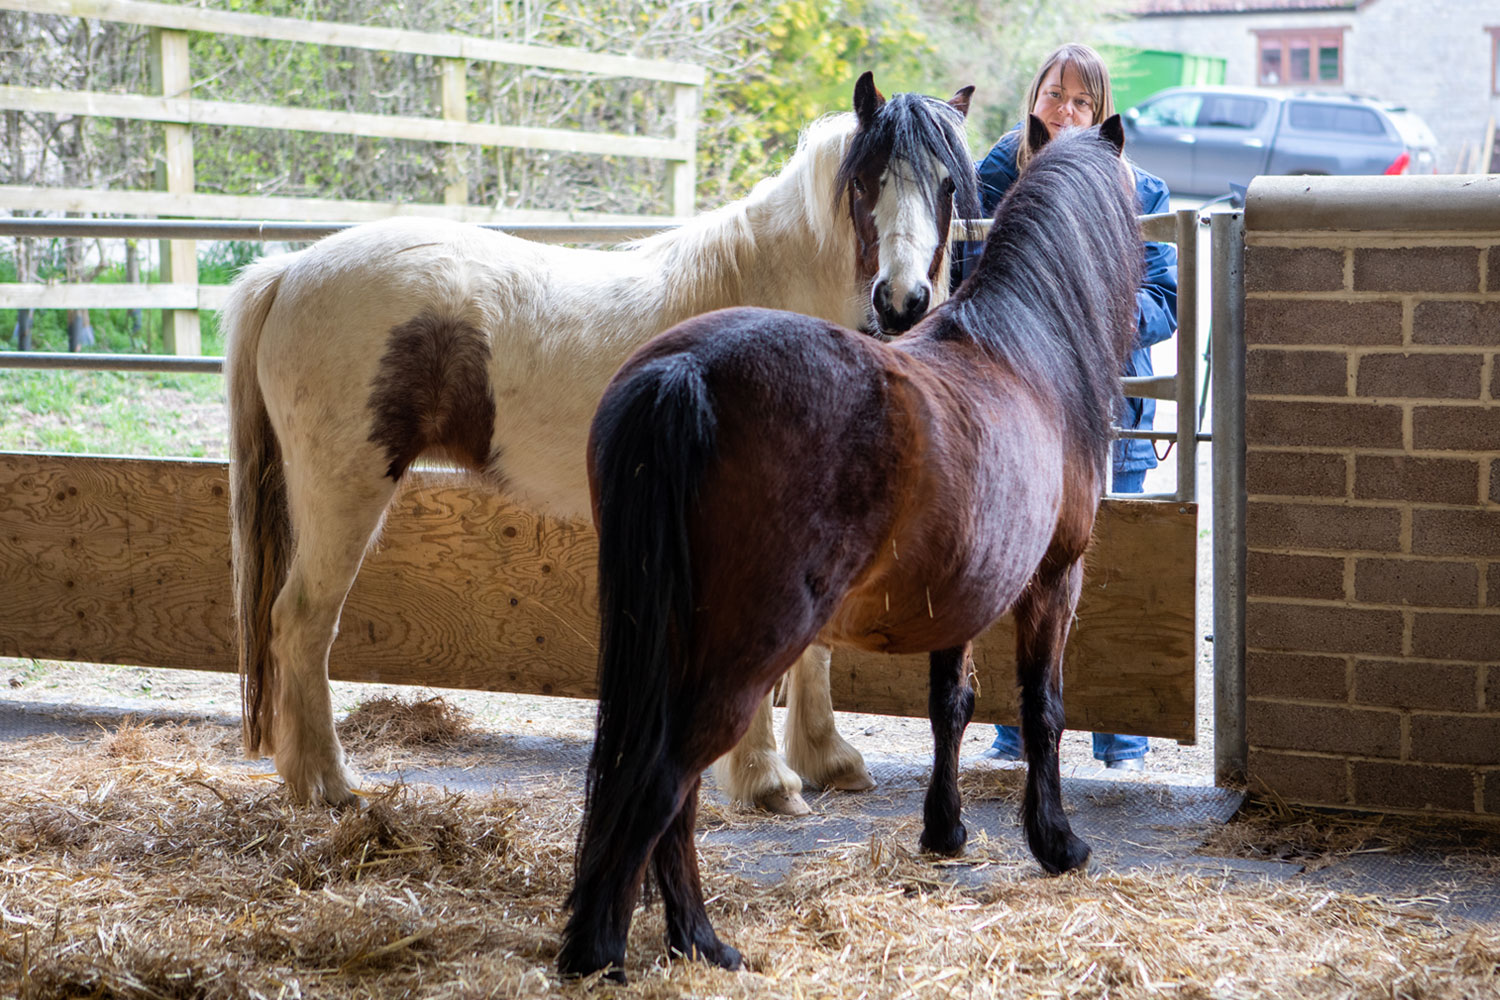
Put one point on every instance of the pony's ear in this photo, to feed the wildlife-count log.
(867, 100)
(960, 99)
(1113, 130)
(1037, 135)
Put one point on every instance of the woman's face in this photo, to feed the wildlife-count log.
(1063, 101)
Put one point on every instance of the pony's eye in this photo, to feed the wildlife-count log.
(859, 186)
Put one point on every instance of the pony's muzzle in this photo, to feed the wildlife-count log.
(898, 318)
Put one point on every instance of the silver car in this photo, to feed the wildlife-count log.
(1204, 140)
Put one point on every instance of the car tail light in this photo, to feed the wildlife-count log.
(1399, 164)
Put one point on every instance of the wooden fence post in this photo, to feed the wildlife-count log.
(456, 109)
(172, 78)
(684, 173)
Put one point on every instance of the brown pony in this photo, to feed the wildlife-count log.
(763, 480)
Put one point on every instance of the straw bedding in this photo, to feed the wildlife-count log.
(149, 864)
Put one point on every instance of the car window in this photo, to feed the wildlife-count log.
(1334, 118)
(1174, 109)
(1413, 130)
(1228, 111)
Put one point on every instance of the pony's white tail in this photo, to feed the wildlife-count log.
(260, 530)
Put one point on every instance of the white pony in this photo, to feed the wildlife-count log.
(348, 361)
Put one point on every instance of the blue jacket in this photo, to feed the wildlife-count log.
(1156, 301)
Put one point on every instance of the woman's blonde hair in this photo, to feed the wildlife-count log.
(1091, 70)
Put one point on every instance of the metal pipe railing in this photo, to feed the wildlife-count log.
(1228, 387)
(1162, 228)
(56, 360)
(1186, 380)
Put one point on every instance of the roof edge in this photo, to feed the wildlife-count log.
(1280, 8)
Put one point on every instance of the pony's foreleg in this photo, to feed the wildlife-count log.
(675, 862)
(950, 705)
(814, 748)
(753, 773)
(332, 533)
(1043, 616)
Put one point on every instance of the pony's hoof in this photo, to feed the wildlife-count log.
(336, 791)
(578, 963)
(334, 787)
(727, 958)
(837, 766)
(706, 947)
(949, 844)
(722, 955)
(854, 780)
(613, 974)
(1070, 853)
(760, 780)
(784, 802)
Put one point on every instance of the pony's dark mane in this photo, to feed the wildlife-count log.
(1054, 291)
(914, 127)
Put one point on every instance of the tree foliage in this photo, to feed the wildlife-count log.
(997, 46)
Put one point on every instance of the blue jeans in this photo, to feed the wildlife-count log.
(1107, 746)
(1129, 482)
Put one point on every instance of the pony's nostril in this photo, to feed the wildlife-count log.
(916, 302)
(881, 295)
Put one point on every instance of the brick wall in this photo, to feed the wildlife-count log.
(1372, 427)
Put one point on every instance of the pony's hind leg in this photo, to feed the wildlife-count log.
(753, 773)
(950, 705)
(675, 862)
(814, 748)
(333, 522)
(1043, 616)
(631, 803)
(643, 807)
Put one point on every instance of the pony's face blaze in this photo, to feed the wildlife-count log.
(912, 219)
(907, 165)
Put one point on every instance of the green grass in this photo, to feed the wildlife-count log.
(112, 413)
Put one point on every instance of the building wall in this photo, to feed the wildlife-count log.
(1229, 36)
(1372, 327)
(1448, 84)
(1433, 57)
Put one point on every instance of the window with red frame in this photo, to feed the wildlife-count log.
(1300, 58)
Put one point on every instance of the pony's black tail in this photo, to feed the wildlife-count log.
(651, 440)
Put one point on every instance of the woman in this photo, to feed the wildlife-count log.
(1071, 90)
